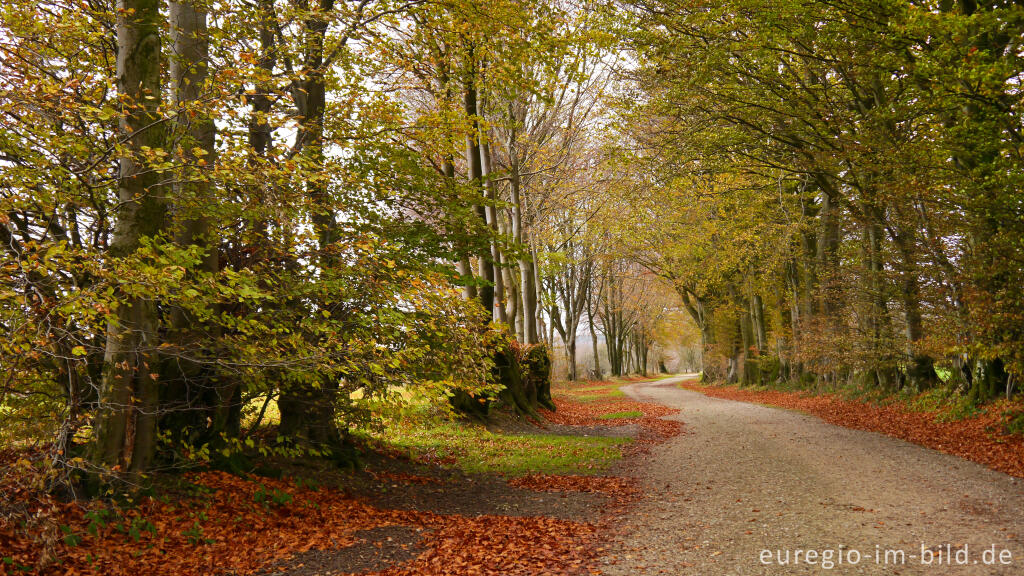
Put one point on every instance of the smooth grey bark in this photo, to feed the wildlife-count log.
(921, 367)
(613, 324)
(702, 315)
(509, 285)
(465, 268)
(528, 292)
(500, 313)
(527, 272)
(593, 329)
(463, 265)
(571, 289)
(125, 427)
(474, 160)
(757, 313)
(189, 69)
(827, 255)
(195, 405)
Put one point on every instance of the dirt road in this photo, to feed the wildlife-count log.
(750, 489)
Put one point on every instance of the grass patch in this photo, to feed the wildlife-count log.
(659, 377)
(626, 414)
(474, 449)
(595, 397)
(591, 393)
(610, 388)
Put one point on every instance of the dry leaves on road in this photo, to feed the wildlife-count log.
(621, 488)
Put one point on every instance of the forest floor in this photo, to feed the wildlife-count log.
(611, 483)
(521, 498)
(750, 485)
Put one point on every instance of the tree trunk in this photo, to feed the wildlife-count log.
(527, 273)
(921, 369)
(757, 313)
(199, 410)
(512, 310)
(593, 336)
(529, 300)
(748, 349)
(828, 248)
(308, 410)
(474, 160)
(877, 316)
(499, 299)
(126, 425)
(644, 351)
(570, 356)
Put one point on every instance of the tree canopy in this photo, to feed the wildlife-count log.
(212, 207)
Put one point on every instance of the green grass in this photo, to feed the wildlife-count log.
(477, 450)
(603, 391)
(600, 388)
(595, 397)
(626, 414)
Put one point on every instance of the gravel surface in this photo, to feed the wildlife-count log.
(745, 479)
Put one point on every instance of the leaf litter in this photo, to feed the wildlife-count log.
(232, 525)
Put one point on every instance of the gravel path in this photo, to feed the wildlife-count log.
(745, 479)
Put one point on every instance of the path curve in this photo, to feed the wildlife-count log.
(744, 479)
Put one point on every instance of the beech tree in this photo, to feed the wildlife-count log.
(126, 427)
(839, 133)
(220, 217)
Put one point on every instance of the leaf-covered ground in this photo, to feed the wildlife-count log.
(980, 438)
(605, 405)
(216, 523)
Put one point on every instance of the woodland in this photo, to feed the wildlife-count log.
(239, 230)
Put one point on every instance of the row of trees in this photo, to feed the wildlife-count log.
(835, 188)
(210, 207)
(537, 153)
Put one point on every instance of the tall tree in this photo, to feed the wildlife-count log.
(126, 429)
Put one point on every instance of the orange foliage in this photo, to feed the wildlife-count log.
(500, 545)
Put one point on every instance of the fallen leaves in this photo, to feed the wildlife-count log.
(224, 526)
(220, 523)
(621, 488)
(226, 530)
(653, 429)
(976, 438)
(500, 545)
